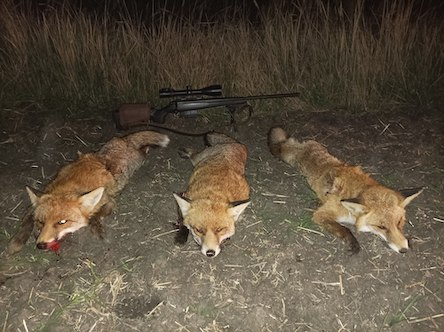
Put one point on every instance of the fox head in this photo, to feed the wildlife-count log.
(382, 212)
(209, 222)
(55, 216)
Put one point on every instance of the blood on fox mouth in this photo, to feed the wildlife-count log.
(54, 245)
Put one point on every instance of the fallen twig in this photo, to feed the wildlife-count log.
(419, 320)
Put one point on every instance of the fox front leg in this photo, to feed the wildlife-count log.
(21, 237)
(182, 234)
(95, 222)
(327, 221)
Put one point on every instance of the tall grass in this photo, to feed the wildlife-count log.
(68, 57)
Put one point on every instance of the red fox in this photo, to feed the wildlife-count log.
(83, 192)
(348, 195)
(217, 193)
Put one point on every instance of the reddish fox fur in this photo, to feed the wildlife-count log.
(348, 195)
(83, 192)
(217, 193)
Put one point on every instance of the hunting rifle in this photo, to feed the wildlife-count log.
(187, 102)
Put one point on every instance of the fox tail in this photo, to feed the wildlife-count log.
(276, 137)
(146, 138)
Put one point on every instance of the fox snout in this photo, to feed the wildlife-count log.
(392, 236)
(41, 245)
(53, 245)
(212, 249)
(398, 243)
(401, 250)
(209, 243)
(210, 253)
(210, 246)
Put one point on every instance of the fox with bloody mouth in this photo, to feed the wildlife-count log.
(83, 192)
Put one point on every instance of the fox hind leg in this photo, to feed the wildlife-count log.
(326, 219)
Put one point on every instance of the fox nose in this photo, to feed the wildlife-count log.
(210, 253)
(41, 245)
(403, 250)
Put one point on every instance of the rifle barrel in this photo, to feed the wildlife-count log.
(196, 104)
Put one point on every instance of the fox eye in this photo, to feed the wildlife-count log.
(382, 228)
(220, 229)
(62, 222)
(199, 230)
(39, 224)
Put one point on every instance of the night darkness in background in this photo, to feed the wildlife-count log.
(211, 10)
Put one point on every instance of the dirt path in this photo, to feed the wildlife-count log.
(278, 273)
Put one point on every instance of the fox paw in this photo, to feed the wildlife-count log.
(182, 235)
(12, 248)
(186, 153)
(97, 228)
(354, 247)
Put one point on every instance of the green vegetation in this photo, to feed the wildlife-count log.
(399, 317)
(68, 58)
(93, 292)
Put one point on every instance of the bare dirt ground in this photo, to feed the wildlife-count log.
(279, 272)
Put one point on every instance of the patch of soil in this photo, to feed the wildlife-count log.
(278, 273)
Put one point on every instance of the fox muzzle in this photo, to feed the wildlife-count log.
(42, 245)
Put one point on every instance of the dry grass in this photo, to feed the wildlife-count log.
(67, 57)
(278, 273)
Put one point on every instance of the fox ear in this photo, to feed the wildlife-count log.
(183, 203)
(409, 195)
(90, 200)
(353, 206)
(32, 196)
(237, 208)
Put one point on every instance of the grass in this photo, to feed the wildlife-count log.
(66, 57)
(400, 316)
(95, 293)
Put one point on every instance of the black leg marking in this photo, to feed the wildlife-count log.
(182, 235)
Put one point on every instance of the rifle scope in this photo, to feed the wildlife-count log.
(211, 90)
